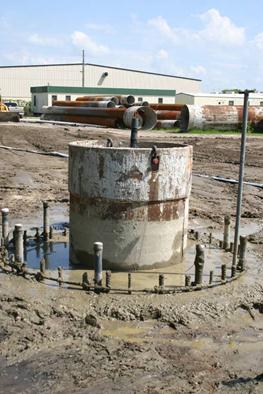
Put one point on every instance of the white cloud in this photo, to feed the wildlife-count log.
(220, 29)
(217, 29)
(83, 41)
(258, 41)
(36, 39)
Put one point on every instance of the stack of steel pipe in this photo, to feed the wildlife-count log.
(103, 113)
(221, 117)
(168, 115)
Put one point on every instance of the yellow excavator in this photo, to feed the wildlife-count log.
(5, 115)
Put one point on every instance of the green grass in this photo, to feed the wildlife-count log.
(209, 132)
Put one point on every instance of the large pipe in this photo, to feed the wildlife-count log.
(222, 117)
(113, 113)
(167, 124)
(107, 122)
(126, 100)
(99, 98)
(168, 115)
(100, 104)
(146, 117)
(166, 107)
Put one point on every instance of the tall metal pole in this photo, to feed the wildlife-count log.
(83, 68)
(241, 174)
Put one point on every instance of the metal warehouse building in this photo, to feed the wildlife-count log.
(16, 81)
(218, 98)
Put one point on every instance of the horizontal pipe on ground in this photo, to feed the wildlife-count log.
(222, 117)
(168, 115)
(100, 104)
(126, 100)
(146, 116)
(167, 124)
(113, 113)
(166, 107)
(88, 120)
(99, 98)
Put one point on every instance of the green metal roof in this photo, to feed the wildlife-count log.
(93, 90)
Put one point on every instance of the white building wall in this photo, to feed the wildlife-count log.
(15, 82)
(218, 99)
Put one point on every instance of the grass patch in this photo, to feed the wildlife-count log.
(209, 132)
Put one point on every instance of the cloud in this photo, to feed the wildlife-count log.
(36, 39)
(220, 29)
(83, 41)
(258, 41)
(198, 70)
(217, 29)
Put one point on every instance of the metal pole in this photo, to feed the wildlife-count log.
(134, 133)
(241, 173)
(83, 68)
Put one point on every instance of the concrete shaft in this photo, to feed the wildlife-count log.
(119, 197)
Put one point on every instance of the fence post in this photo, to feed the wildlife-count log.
(199, 263)
(98, 250)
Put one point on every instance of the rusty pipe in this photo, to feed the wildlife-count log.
(168, 115)
(126, 100)
(107, 122)
(167, 124)
(222, 117)
(166, 107)
(99, 98)
(113, 113)
(147, 117)
(99, 104)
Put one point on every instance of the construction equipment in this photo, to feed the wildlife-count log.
(5, 115)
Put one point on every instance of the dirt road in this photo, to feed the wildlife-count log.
(65, 341)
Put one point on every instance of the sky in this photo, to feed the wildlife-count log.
(219, 42)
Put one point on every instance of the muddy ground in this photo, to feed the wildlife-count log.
(64, 341)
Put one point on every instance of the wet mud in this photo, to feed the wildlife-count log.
(62, 340)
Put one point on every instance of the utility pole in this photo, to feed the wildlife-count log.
(83, 68)
(241, 173)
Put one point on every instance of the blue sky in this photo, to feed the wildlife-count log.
(220, 42)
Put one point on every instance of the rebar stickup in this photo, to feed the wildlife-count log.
(187, 280)
(199, 263)
(211, 277)
(85, 281)
(5, 225)
(227, 222)
(129, 282)
(242, 253)
(19, 243)
(37, 235)
(233, 271)
(60, 276)
(45, 220)
(50, 232)
(25, 237)
(197, 235)
(108, 279)
(223, 272)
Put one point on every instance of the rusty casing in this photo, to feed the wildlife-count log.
(167, 124)
(166, 107)
(99, 98)
(100, 104)
(120, 197)
(222, 117)
(168, 115)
